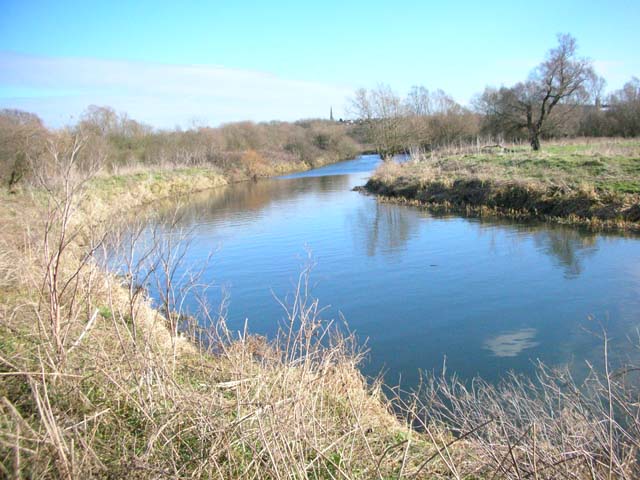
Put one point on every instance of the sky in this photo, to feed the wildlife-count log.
(194, 63)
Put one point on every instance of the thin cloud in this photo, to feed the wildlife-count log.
(163, 95)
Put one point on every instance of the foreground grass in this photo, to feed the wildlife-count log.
(594, 182)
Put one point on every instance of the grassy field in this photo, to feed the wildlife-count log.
(594, 181)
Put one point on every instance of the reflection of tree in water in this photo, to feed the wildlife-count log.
(385, 228)
(241, 199)
(569, 247)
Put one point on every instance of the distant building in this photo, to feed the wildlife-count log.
(331, 114)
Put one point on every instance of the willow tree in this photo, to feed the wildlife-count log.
(561, 79)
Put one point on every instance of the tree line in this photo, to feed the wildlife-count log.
(562, 97)
(118, 143)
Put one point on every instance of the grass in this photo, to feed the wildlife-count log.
(594, 181)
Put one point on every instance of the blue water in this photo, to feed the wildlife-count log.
(487, 296)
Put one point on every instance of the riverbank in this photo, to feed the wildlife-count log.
(95, 382)
(593, 182)
(133, 187)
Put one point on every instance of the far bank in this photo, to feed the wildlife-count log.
(590, 182)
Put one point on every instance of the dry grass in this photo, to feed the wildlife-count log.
(543, 427)
(130, 399)
(603, 164)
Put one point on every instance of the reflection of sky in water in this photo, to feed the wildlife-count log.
(511, 344)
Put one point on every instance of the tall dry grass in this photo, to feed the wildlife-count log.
(544, 427)
(94, 382)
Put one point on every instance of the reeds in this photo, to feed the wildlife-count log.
(548, 426)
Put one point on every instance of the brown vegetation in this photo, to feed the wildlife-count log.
(123, 146)
(546, 427)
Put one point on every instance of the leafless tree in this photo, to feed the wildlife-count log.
(101, 120)
(561, 79)
(625, 109)
(58, 175)
(596, 89)
(22, 134)
(384, 112)
(419, 101)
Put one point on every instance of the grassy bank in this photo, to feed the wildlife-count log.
(112, 391)
(595, 182)
(127, 188)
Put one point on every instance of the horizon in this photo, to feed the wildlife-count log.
(204, 65)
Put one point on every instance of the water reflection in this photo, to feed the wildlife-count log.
(244, 202)
(511, 344)
(568, 247)
(382, 228)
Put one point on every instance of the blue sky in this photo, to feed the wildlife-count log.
(183, 63)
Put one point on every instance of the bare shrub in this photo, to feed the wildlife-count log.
(58, 174)
(22, 135)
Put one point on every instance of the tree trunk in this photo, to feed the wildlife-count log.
(534, 139)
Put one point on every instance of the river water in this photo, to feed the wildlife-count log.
(487, 296)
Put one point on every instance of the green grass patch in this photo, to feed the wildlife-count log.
(625, 186)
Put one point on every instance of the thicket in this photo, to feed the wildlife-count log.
(242, 149)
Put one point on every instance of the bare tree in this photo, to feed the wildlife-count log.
(596, 87)
(419, 101)
(58, 175)
(383, 111)
(101, 120)
(22, 135)
(625, 109)
(562, 79)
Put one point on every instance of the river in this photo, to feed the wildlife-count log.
(484, 296)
